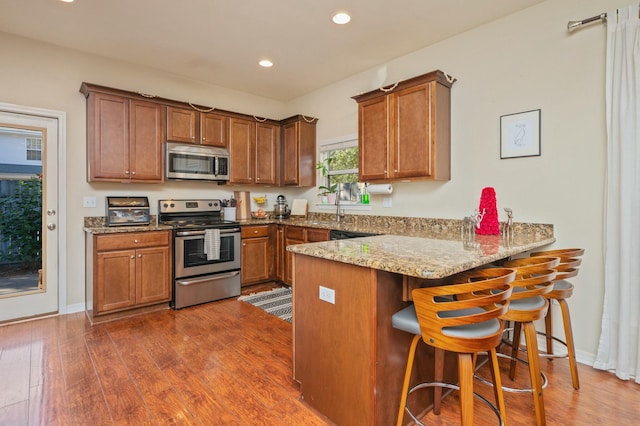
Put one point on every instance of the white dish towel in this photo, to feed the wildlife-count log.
(212, 244)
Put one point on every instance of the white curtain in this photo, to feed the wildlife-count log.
(619, 347)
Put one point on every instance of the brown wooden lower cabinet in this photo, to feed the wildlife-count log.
(257, 254)
(299, 235)
(127, 270)
(264, 250)
(280, 252)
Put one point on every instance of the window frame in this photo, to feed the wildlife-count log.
(336, 144)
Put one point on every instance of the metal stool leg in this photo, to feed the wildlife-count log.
(438, 376)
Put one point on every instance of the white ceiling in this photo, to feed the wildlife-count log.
(221, 41)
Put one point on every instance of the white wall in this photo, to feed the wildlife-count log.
(526, 61)
(523, 62)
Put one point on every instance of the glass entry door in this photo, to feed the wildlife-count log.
(29, 265)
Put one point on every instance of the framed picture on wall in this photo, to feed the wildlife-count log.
(520, 134)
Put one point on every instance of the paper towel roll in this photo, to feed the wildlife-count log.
(382, 188)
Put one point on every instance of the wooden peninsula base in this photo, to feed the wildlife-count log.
(348, 358)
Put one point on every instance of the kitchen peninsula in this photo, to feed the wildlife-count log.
(348, 359)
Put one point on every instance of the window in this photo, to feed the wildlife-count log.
(34, 149)
(343, 169)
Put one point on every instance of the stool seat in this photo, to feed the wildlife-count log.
(528, 303)
(407, 320)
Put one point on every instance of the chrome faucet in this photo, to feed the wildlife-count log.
(339, 211)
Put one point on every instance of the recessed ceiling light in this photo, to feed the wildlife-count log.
(67, 1)
(265, 63)
(341, 18)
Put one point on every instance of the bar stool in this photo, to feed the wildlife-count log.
(562, 290)
(464, 318)
(534, 280)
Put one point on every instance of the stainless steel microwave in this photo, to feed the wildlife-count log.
(196, 162)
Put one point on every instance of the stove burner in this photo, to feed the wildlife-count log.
(192, 214)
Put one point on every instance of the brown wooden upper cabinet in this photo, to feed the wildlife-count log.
(193, 126)
(124, 137)
(299, 151)
(254, 147)
(404, 131)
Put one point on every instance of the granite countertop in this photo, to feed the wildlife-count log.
(418, 247)
(422, 256)
(98, 225)
(120, 229)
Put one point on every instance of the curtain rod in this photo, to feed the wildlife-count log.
(575, 24)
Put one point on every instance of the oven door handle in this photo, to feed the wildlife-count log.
(192, 233)
(207, 279)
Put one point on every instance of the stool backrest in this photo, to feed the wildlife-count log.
(569, 261)
(534, 276)
(473, 298)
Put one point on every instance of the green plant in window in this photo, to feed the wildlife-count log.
(323, 166)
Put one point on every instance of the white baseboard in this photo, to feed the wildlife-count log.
(72, 309)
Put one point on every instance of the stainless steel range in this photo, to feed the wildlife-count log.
(206, 251)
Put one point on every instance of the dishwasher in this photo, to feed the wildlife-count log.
(335, 234)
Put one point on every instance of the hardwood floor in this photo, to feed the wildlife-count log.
(222, 363)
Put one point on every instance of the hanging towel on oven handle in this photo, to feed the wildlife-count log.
(212, 244)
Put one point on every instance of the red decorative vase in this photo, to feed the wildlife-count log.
(489, 224)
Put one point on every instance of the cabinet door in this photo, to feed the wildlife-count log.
(412, 136)
(183, 125)
(108, 137)
(290, 165)
(288, 260)
(255, 260)
(153, 275)
(114, 281)
(299, 153)
(146, 136)
(316, 235)
(214, 130)
(267, 153)
(241, 135)
(293, 235)
(280, 253)
(373, 138)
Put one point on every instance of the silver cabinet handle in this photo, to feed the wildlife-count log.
(209, 278)
(51, 212)
(51, 226)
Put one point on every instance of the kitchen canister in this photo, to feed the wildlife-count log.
(229, 213)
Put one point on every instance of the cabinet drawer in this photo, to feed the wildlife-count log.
(295, 233)
(129, 240)
(254, 231)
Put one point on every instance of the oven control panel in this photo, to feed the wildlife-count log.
(184, 206)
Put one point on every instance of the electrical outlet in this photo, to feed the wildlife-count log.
(386, 202)
(328, 295)
(89, 202)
